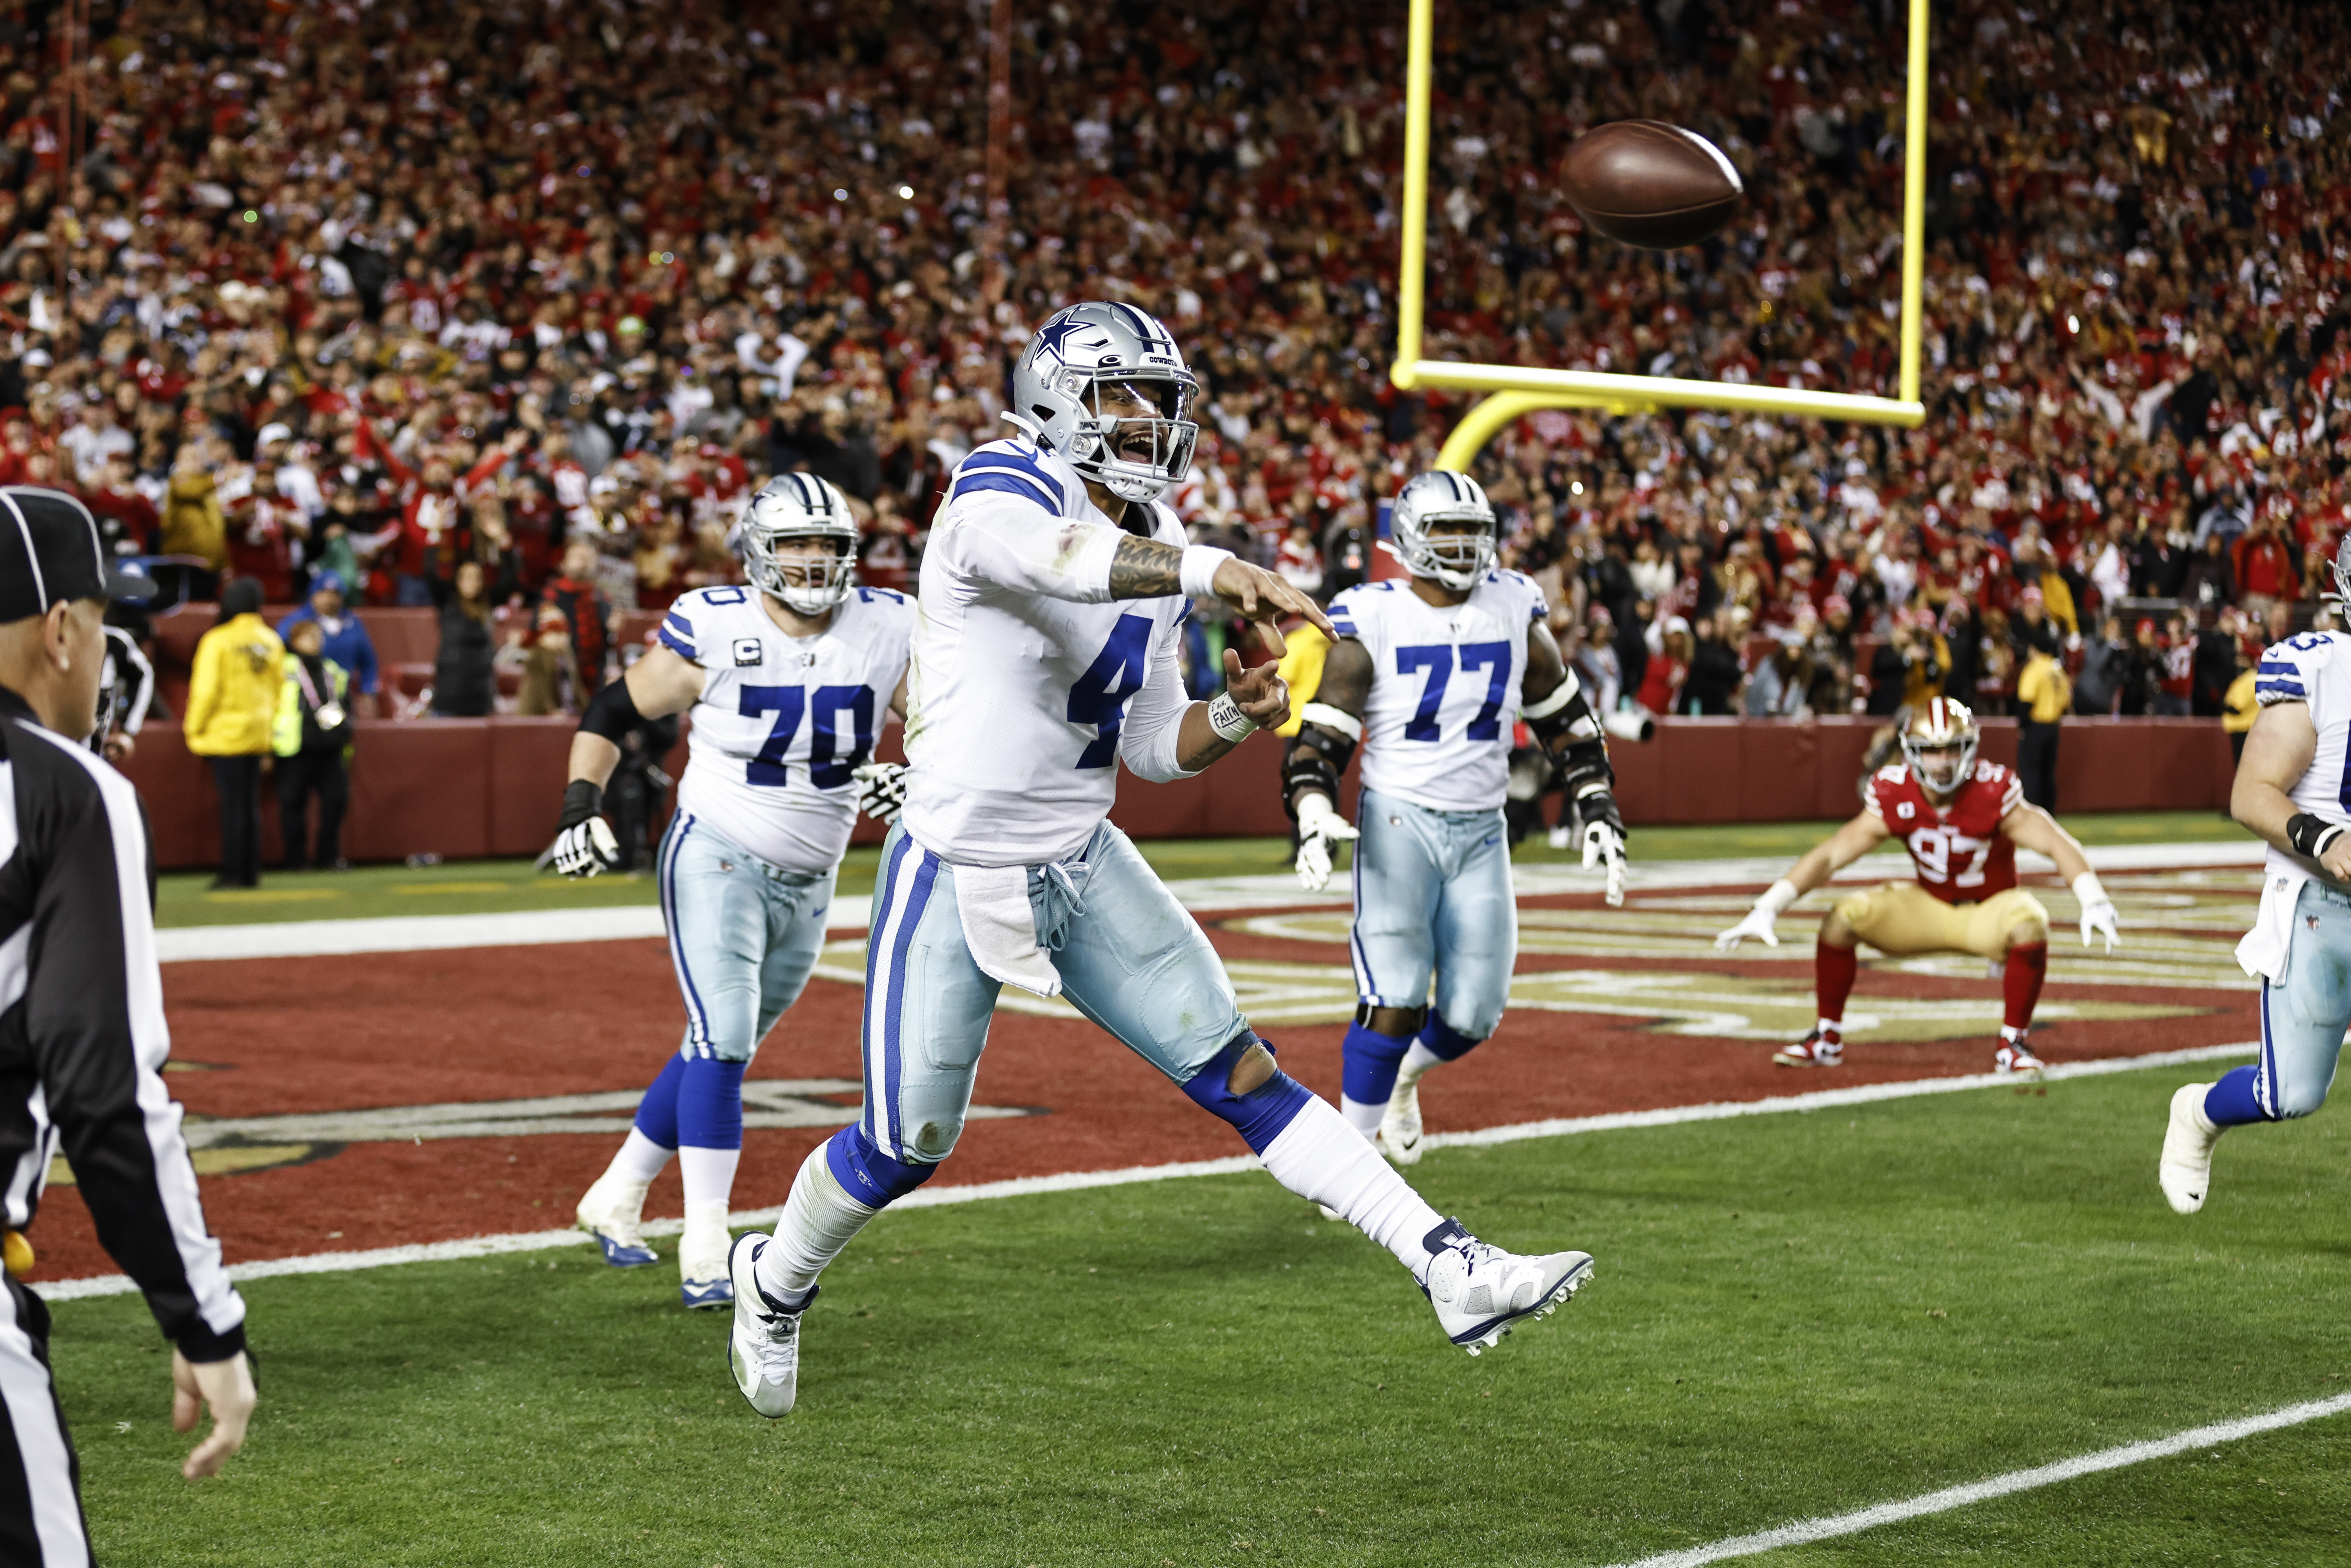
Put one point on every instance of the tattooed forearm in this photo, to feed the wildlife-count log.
(1145, 568)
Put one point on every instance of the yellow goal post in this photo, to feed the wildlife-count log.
(1516, 390)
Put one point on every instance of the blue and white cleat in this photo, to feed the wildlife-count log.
(1481, 1292)
(703, 1281)
(612, 1212)
(763, 1350)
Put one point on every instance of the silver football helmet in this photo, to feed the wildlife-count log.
(1056, 397)
(2341, 567)
(800, 507)
(1456, 558)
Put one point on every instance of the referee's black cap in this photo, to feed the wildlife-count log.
(50, 553)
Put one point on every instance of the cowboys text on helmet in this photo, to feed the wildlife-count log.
(1057, 398)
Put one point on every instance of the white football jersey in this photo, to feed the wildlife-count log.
(1025, 668)
(1445, 686)
(2313, 668)
(781, 720)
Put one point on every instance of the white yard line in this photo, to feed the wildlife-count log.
(1076, 1181)
(1806, 1531)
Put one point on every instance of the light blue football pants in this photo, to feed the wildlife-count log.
(743, 936)
(1131, 958)
(1433, 899)
(2305, 1011)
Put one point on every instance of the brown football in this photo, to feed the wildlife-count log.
(1648, 184)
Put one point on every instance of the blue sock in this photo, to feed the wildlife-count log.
(2230, 1103)
(1368, 1073)
(1442, 1041)
(865, 1172)
(657, 1112)
(710, 1104)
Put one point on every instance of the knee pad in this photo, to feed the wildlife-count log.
(1259, 1116)
(710, 1104)
(1443, 1041)
(868, 1175)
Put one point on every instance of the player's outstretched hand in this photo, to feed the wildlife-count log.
(586, 848)
(1760, 924)
(1263, 599)
(2098, 916)
(881, 790)
(1319, 827)
(227, 1386)
(1258, 690)
(1604, 841)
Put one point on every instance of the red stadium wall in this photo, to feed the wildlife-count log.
(460, 787)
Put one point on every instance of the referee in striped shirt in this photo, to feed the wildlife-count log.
(82, 1037)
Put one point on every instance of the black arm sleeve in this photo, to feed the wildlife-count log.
(1573, 738)
(612, 712)
(90, 1029)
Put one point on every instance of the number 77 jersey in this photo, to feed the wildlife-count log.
(782, 720)
(1446, 683)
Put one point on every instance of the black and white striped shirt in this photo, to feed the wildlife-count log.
(82, 1036)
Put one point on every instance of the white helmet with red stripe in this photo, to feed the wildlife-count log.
(1941, 723)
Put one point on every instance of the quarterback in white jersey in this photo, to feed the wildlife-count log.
(787, 681)
(1052, 587)
(1431, 675)
(2291, 789)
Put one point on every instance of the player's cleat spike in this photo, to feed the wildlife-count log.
(2186, 1169)
(702, 1272)
(1481, 1292)
(610, 1211)
(2015, 1056)
(763, 1349)
(1821, 1048)
(1399, 1135)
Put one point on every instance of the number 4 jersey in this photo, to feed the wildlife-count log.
(781, 720)
(1960, 852)
(1445, 686)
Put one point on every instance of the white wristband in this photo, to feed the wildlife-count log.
(1197, 575)
(1225, 716)
(1778, 896)
(2087, 889)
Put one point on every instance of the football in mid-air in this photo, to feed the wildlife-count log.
(1645, 182)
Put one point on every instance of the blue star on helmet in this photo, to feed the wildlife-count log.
(1053, 334)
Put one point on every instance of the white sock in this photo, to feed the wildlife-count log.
(818, 1219)
(709, 1173)
(1416, 1061)
(639, 1159)
(1319, 1156)
(1830, 1026)
(1364, 1119)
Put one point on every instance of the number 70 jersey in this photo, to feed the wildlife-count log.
(782, 720)
(1446, 683)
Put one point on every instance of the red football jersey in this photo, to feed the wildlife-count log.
(1960, 853)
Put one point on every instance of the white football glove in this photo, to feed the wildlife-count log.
(881, 790)
(2098, 915)
(1762, 920)
(1319, 827)
(586, 848)
(1603, 840)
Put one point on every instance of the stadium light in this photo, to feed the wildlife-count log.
(1516, 390)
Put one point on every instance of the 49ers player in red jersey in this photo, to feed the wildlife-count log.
(1961, 820)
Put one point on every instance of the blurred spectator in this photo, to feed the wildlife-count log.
(587, 615)
(1300, 558)
(1909, 667)
(232, 706)
(2239, 708)
(1662, 678)
(2106, 669)
(1711, 685)
(2043, 696)
(1779, 686)
(550, 680)
(344, 638)
(464, 683)
(311, 733)
(2142, 674)
(2175, 687)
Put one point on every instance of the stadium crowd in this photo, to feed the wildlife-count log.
(504, 306)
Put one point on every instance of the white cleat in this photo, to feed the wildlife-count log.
(1399, 1135)
(1482, 1293)
(703, 1282)
(2186, 1168)
(612, 1211)
(2016, 1057)
(763, 1350)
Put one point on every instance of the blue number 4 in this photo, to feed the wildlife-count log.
(1099, 697)
(1437, 658)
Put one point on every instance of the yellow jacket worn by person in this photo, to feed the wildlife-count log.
(2239, 708)
(2043, 686)
(240, 667)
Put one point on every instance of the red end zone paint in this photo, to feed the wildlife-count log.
(398, 1029)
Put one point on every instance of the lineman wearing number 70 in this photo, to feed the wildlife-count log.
(788, 680)
(1429, 674)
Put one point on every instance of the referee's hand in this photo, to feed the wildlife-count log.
(227, 1387)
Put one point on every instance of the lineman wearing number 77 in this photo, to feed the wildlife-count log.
(788, 680)
(1961, 820)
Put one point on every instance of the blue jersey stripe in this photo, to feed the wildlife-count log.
(1009, 484)
(684, 650)
(685, 627)
(918, 898)
(1012, 462)
(2276, 667)
(880, 1097)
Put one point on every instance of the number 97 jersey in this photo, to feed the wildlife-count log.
(1446, 683)
(782, 720)
(1958, 850)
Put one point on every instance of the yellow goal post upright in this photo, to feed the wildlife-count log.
(1516, 390)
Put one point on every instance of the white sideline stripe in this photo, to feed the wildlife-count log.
(1079, 1181)
(1806, 1531)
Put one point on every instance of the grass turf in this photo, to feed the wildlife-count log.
(468, 887)
(1794, 1315)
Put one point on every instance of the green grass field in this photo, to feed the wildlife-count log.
(1794, 1315)
(479, 887)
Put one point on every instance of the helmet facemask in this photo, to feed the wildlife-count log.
(1944, 727)
(807, 582)
(1453, 555)
(1427, 533)
(1135, 457)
